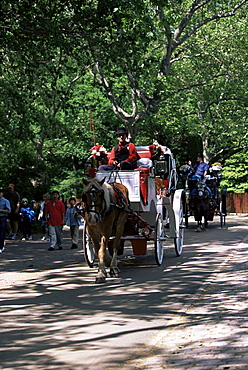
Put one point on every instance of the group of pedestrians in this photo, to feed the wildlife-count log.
(57, 215)
(53, 215)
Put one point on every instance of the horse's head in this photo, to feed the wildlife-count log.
(201, 189)
(94, 196)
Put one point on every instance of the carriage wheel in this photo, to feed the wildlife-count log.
(88, 247)
(178, 208)
(185, 210)
(186, 215)
(159, 239)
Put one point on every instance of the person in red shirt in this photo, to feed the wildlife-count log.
(55, 216)
(123, 156)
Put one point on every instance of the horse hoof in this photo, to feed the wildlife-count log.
(113, 272)
(100, 280)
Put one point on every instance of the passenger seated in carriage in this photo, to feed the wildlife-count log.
(123, 156)
(200, 172)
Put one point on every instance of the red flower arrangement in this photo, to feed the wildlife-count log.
(155, 150)
(98, 150)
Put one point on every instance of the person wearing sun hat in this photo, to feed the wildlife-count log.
(5, 209)
(123, 156)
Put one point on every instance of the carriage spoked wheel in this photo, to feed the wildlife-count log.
(178, 207)
(185, 210)
(159, 238)
(88, 247)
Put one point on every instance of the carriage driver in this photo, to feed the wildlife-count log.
(201, 168)
(123, 156)
(200, 171)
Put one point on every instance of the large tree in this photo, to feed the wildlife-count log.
(141, 55)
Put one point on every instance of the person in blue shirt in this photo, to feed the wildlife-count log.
(200, 168)
(200, 171)
(5, 209)
(27, 219)
(73, 220)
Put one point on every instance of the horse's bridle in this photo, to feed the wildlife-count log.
(201, 190)
(91, 208)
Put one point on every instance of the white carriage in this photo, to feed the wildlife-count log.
(156, 204)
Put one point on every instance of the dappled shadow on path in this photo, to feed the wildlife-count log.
(60, 319)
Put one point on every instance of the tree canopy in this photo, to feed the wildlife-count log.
(175, 71)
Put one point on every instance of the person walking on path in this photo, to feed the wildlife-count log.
(13, 218)
(55, 216)
(5, 209)
(73, 220)
(27, 219)
(42, 217)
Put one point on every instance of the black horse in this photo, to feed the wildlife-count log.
(201, 201)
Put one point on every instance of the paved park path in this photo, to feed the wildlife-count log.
(212, 333)
(209, 331)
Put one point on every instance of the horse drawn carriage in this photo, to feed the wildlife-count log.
(153, 211)
(203, 198)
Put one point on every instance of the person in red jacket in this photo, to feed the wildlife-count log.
(123, 156)
(55, 216)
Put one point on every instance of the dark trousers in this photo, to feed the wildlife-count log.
(43, 226)
(3, 224)
(26, 228)
(124, 165)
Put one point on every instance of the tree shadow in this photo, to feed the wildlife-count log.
(58, 318)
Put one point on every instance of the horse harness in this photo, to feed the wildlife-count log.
(201, 190)
(123, 204)
(103, 210)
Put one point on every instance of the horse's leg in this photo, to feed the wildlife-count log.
(101, 275)
(199, 226)
(95, 238)
(114, 271)
(198, 217)
(205, 216)
(99, 249)
(206, 213)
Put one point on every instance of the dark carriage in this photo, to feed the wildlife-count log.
(216, 198)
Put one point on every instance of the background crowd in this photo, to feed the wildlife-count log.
(49, 216)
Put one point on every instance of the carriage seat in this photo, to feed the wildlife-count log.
(144, 174)
(144, 163)
(143, 166)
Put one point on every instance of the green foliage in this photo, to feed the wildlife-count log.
(71, 185)
(235, 173)
(161, 68)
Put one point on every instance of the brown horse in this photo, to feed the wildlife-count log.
(107, 207)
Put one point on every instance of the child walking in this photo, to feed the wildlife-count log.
(73, 220)
(27, 219)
